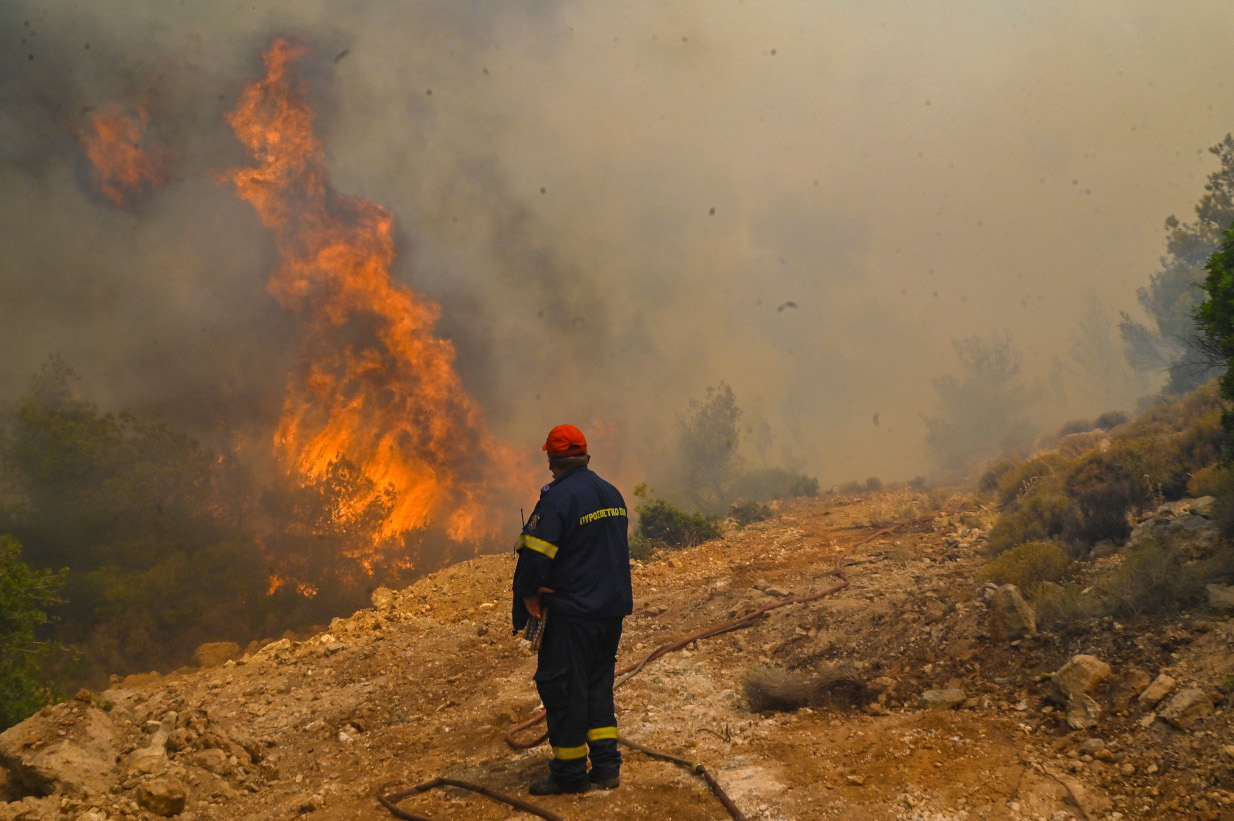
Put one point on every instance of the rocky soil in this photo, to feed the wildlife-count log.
(959, 716)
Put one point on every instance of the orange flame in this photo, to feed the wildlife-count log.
(123, 169)
(374, 385)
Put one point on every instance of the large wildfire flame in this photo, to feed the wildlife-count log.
(374, 385)
(123, 165)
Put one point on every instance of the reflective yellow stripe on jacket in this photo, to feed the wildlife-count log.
(538, 545)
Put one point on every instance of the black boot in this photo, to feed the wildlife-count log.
(605, 779)
(551, 786)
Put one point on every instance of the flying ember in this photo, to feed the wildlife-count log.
(124, 165)
(374, 386)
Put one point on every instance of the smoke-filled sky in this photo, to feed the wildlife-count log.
(617, 205)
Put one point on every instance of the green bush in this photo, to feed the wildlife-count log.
(747, 513)
(1223, 493)
(640, 547)
(25, 596)
(1153, 580)
(1061, 606)
(663, 524)
(774, 483)
(1037, 516)
(1028, 565)
(1020, 480)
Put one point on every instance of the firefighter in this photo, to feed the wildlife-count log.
(574, 572)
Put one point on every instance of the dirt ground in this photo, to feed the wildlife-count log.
(427, 683)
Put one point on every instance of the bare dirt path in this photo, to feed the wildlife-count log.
(427, 682)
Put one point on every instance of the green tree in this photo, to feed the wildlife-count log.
(1215, 317)
(1105, 378)
(134, 510)
(984, 410)
(707, 445)
(1174, 343)
(25, 596)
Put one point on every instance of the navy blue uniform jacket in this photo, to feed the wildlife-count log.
(575, 543)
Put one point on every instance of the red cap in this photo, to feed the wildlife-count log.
(565, 440)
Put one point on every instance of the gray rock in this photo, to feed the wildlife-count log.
(162, 796)
(1160, 688)
(1204, 506)
(384, 598)
(1077, 677)
(1011, 617)
(213, 760)
(84, 760)
(1092, 746)
(1186, 707)
(947, 699)
(1220, 597)
(1195, 536)
(215, 653)
(1082, 712)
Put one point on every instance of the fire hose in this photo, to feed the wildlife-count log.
(623, 675)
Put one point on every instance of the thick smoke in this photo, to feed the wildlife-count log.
(617, 205)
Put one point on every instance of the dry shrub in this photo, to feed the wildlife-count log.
(1081, 495)
(1059, 607)
(991, 480)
(1028, 566)
(1077, 444)
(1153, 580)
(773, 689)
(1103, 490)
(1169, 442)
(1205, 481)
(1036, 517)
(1074, 426)
(1021, 479)
(1110, 420)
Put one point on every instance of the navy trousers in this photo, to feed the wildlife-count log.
(574, 676)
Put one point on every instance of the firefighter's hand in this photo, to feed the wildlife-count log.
(533, 602)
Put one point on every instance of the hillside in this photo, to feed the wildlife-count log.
(427, 682)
